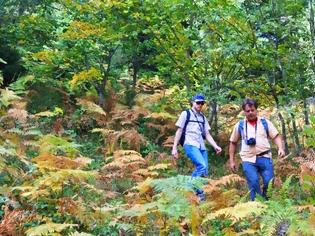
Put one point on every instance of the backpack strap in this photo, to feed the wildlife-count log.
(203, 119)
(265, 124)
(187, 119)
(241, 127)
(182, 138)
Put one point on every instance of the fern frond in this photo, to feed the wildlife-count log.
(32, 192)
(31, 143)
(53, 181)
(49, 161)
(145, 173)
(161, 116)
(227, 179)
(285, 189)
(283, 216)
(33, 132)
(48, 228)
(15, 131)
(79, 234)
(7, 97)
(13, 220)
(144, 186)
(179, 183)
(248, 232)
(160, 166)
(53, 144)
(91, 107)
(7, 151)
(139, 210)
(238, 212)
(125, 159)
(131, 137)
(104, 132)
(46, 114)
(18, 114)
(310, 208)
(223, 198)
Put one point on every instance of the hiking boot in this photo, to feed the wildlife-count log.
(201, 195)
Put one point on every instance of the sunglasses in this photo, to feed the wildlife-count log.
(200, 103)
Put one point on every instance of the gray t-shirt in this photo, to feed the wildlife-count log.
(193, 134)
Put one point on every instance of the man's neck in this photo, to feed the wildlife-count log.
(253, 122)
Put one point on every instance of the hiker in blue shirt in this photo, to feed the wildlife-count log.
(193, 128)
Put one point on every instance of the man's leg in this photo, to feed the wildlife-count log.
(194, 154)
(265, 168)
(204, 153)
(252, 177)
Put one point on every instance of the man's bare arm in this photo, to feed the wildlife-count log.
(232, 149)
(178, 134)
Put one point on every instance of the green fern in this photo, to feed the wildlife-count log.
(309, 132)
(54, 145)
(283, 216)
(79, 234)
(33, 132)
(283, 193)
(7, 97)
(20, 86)
(7, 149)
(15, 131)
(178, 183)
(54, 181)
(170, 199)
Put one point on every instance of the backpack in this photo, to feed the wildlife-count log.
(182, 137)
(263, 121)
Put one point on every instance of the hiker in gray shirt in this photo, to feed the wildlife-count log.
(191, 133)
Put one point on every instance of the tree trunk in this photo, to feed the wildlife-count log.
(134, 76)
(284, 133)
(312, 29)
(101, 95)
(282, 122)
(295, 134)
(305, 111)
(213, 117)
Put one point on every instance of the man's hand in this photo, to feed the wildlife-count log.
(218, 149)
(232, 165)
(175, 153)
(281, 152)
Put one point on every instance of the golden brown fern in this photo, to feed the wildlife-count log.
(238, 212)
(90, 107)
(53, 182)
(48, 229)
(52, 162)
(125, 118)
(13, 221)
(127, 139)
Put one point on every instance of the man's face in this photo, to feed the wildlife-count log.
(250, 112)
(198, 106)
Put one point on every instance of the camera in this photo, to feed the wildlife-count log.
(251, 141)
